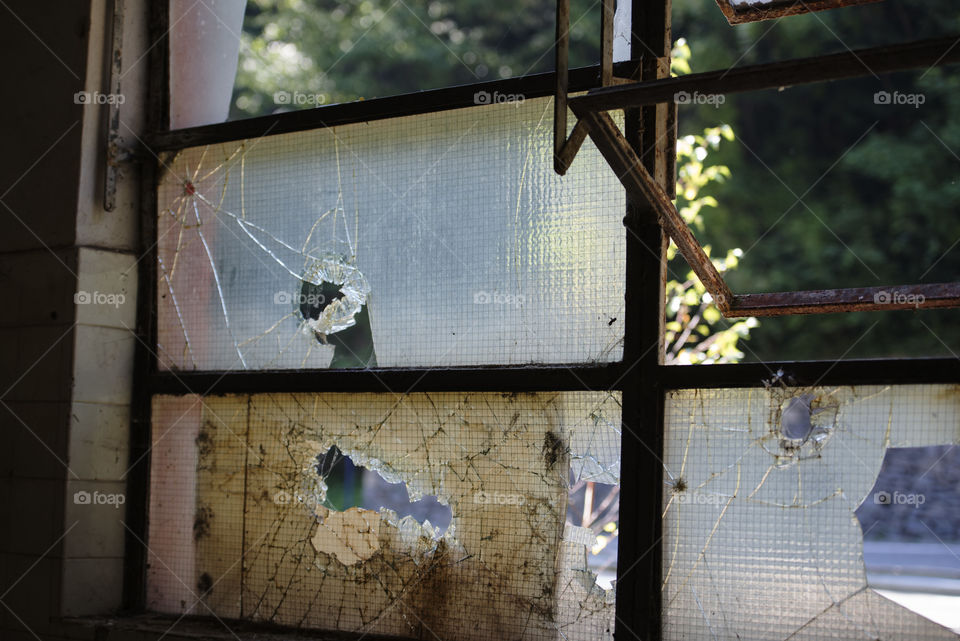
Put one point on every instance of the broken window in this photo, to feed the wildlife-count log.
(446, 239)
(761, 491)
(911, 537)
(442, 239)
(593, 511)
(243, 526)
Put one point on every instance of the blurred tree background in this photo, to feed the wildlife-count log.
(827, 188)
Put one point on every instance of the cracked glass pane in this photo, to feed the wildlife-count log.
(437, 239)
(247, 521)
(761, 486)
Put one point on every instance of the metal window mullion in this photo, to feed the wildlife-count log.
(647, 130)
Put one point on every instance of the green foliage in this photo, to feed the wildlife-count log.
(695, 330)
(343, 50)
(832, 189)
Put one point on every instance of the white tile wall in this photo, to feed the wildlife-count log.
(103, 365)
(107, 289)
(99, 440)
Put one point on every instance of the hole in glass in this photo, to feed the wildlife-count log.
(911, 531)
(805, 423)
(346, 485)
(592, 519)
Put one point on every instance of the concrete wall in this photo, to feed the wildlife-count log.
(65, 364)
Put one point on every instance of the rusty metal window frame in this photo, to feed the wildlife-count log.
(757, 11)
(150, 381)
(593, 120)
(640, 375)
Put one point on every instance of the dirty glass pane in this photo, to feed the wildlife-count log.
(243, 526)
(761, 540)
(441, 239)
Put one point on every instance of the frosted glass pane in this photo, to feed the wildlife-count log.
(439, 239)
(242, 526)
(761, 540)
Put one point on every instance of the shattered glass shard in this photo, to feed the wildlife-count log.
(350, 536)
(333, 293)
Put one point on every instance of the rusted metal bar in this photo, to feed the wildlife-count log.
(858, 299)
(569, 149)
(754, 12)
(562, 51)
(115, 155)
(606, 42)
(638, 182)
(671, 158)
(849, 64)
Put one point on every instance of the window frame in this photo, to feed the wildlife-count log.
(640, 376)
